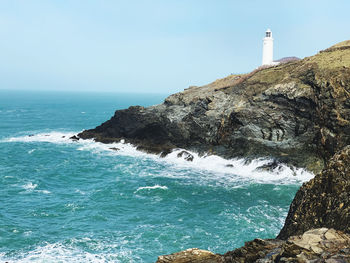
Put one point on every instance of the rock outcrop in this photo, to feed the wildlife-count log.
(296, 112)
(191, 255)
(317, 245)
(324, 201)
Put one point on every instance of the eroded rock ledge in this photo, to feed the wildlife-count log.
(317, 245)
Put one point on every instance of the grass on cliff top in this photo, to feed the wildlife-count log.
(331, 60)
(337, 56)
(345, 43)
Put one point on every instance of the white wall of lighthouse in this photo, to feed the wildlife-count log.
(267, 48)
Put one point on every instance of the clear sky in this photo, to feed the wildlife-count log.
(160, 46)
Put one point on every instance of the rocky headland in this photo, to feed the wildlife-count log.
(297, 113)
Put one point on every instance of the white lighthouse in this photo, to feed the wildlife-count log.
(268, 48)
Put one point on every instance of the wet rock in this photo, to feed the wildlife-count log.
(114, 148)
(74, 138)
(185, 155)
(269, 167)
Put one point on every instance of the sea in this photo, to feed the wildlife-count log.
(68, 201)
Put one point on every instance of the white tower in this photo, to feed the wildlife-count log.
(268, 48)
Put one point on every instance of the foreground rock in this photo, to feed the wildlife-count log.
(323, 201)
(194, 255)
(317, 245)
(297, 112)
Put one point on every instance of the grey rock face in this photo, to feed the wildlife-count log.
(298, 113)
(324, 201)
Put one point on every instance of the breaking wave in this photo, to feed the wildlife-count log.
(58, 252)
(151, 188)
(259, 170)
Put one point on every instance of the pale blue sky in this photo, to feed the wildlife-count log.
(154, 46)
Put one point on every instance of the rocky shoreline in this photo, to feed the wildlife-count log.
(296, 113)
(319, 207)
(317, 245)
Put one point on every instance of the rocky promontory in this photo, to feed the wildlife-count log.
(297, 112)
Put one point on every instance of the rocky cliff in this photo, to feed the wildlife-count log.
(324, 201)
(296, 112)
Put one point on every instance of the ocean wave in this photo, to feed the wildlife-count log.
(151, 188)
(222, 168)
(52, 137)
(31, 151)
(30, 187)
(58, 252)
(251, 170)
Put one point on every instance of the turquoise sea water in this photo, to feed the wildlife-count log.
(64, 201)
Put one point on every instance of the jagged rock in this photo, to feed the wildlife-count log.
(316, 245)
(114, 148)
(252, 251)
(192, 255)
(269, 167)
(185, 155)
(74, 138)
(324, 201)
(296, 112)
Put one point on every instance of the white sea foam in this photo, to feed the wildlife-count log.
(215, 164)
(30, 186)
(80, 192)
(43, 191)
(53, 137)
(58, 252)
(223, 169)
(151, 188)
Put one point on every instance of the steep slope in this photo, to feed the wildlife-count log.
(324, 201)
(297, 112)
